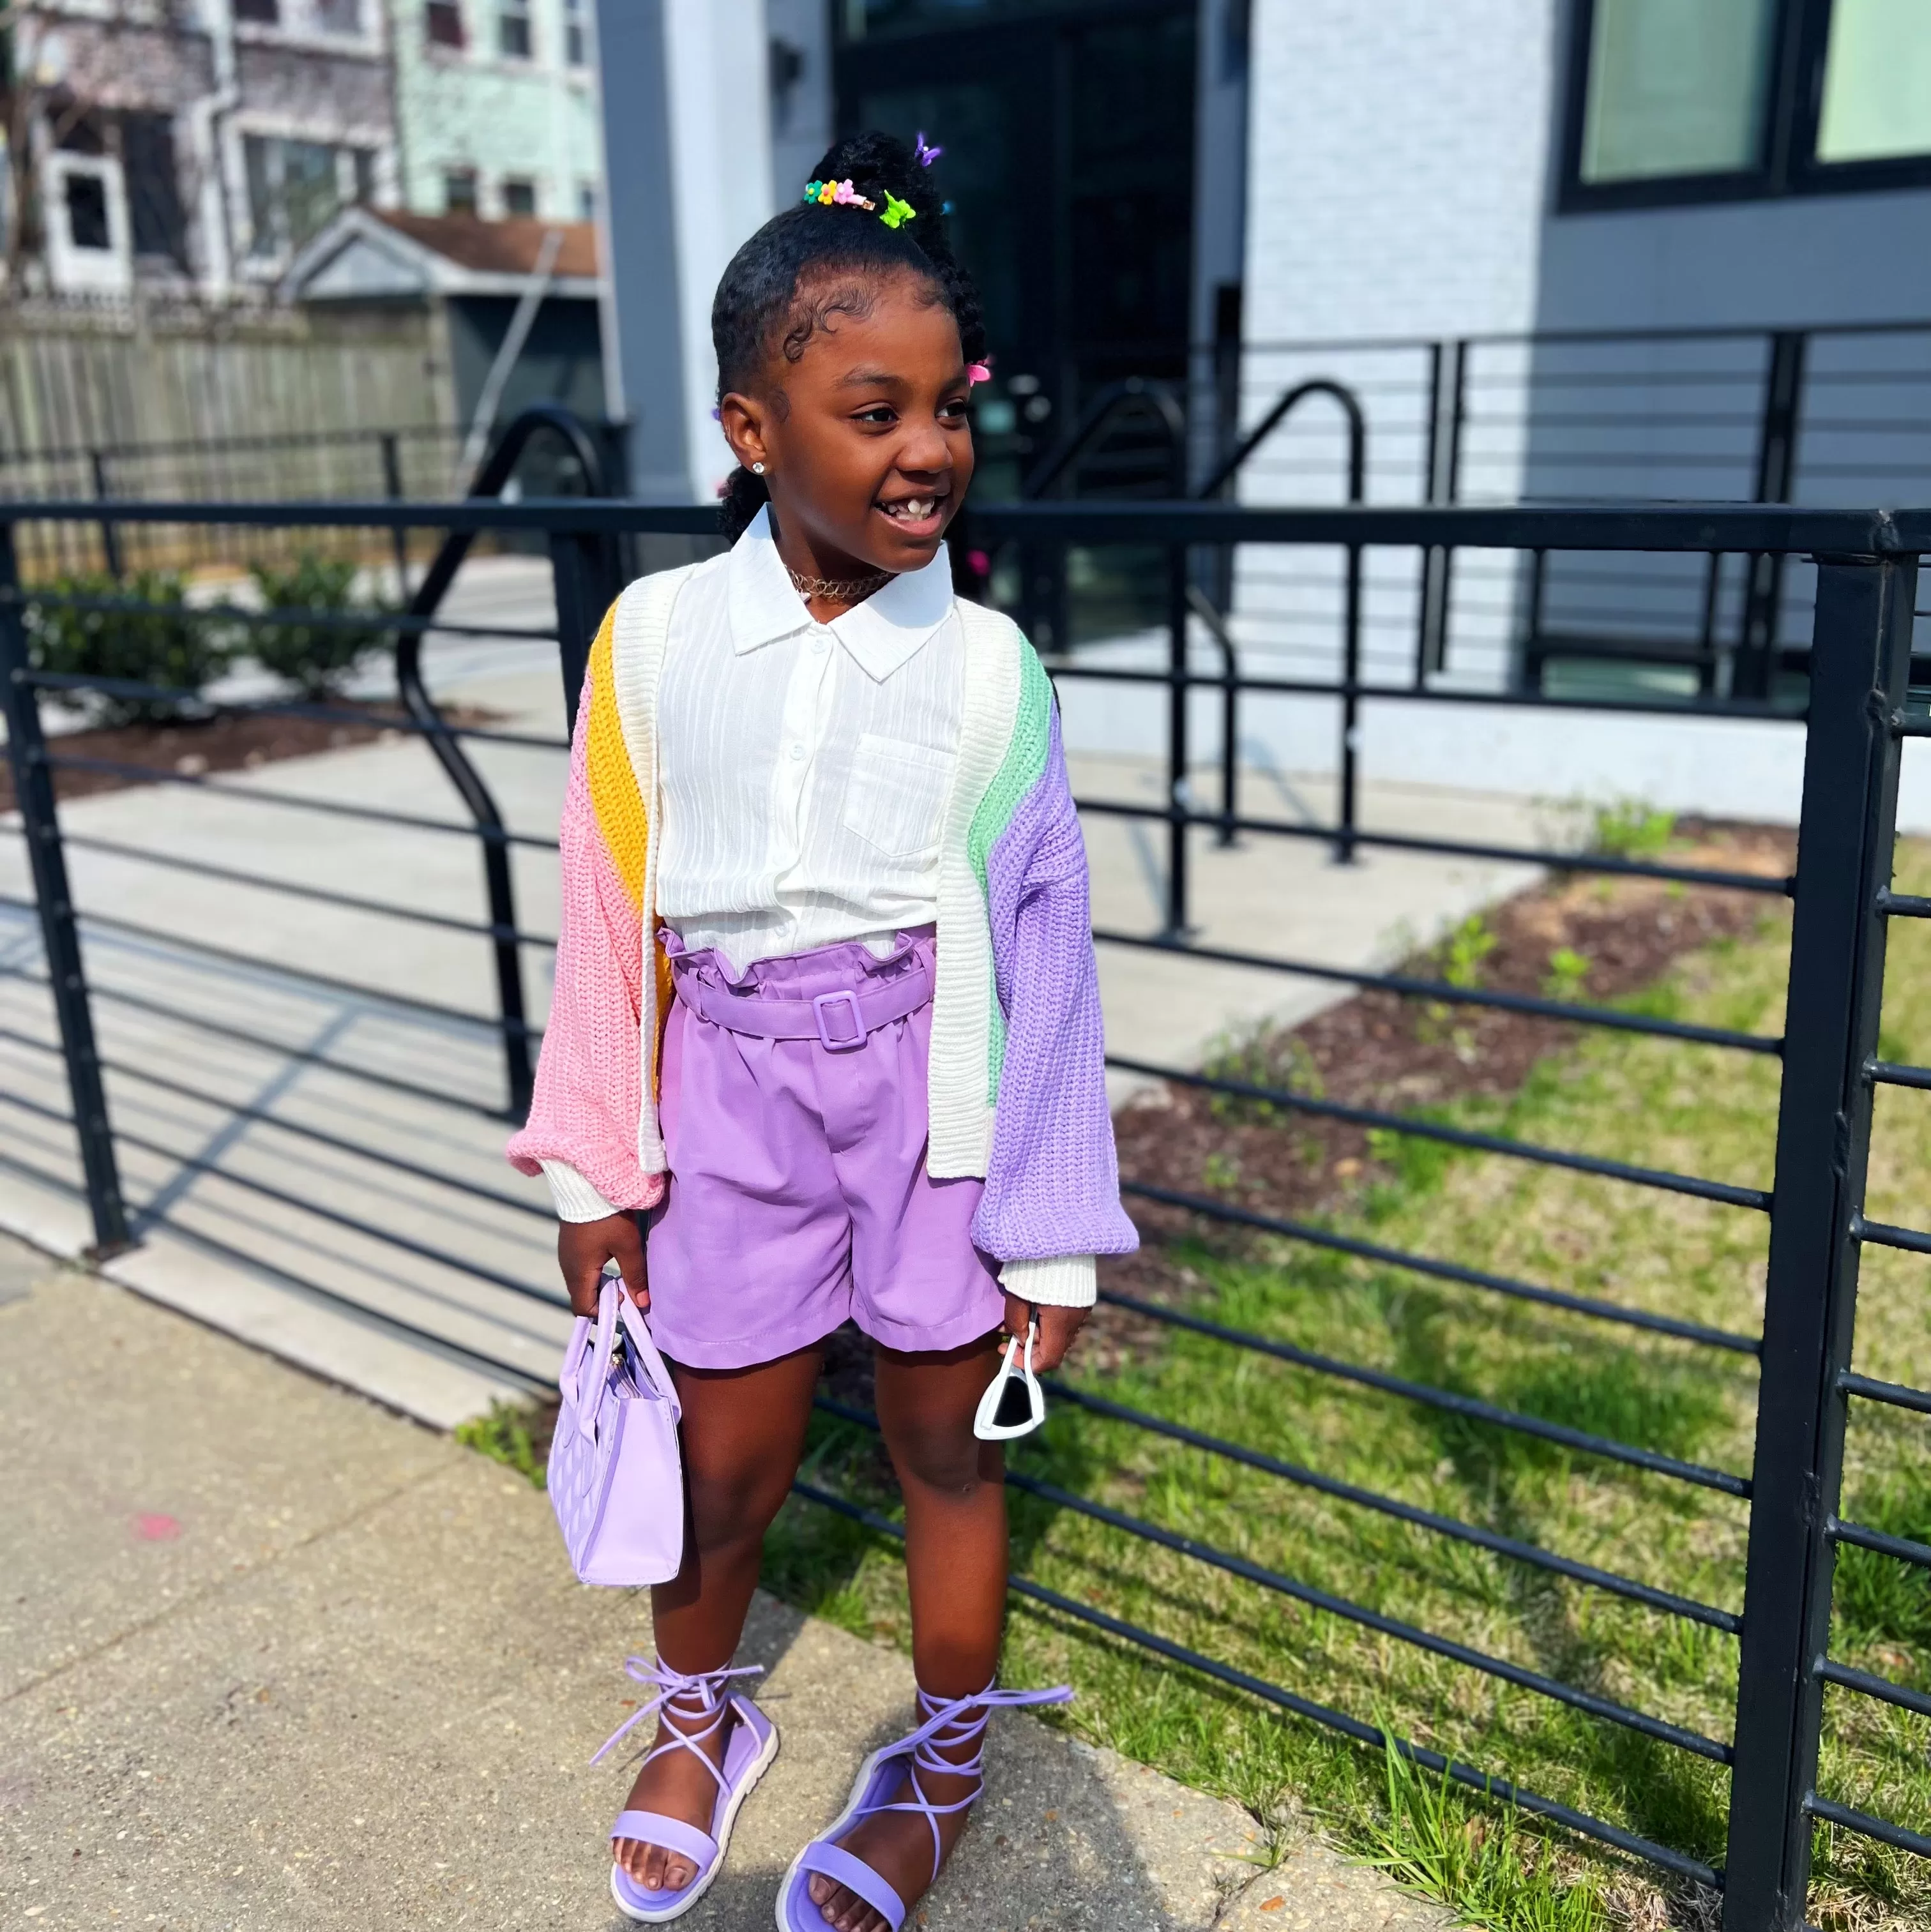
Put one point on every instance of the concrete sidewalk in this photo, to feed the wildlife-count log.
(270, 1656)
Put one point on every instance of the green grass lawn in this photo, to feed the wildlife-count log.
(1700, 1111)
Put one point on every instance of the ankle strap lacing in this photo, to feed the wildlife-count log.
(950, 1724)
(675, 1694)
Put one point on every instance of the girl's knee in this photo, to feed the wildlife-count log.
(945, 1457)
(733, 1506)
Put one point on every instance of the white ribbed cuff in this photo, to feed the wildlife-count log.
(576, 1199)
(1059, 1281)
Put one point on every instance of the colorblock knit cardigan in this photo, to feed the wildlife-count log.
(1016, 1074)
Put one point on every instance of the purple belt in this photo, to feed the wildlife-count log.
(840, 1021)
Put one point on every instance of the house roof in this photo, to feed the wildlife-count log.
(365, 254)
(509, 247)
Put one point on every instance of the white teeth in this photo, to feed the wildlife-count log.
(914, 509)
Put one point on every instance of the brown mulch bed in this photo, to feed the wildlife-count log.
(225, 741)
(1378, 1050)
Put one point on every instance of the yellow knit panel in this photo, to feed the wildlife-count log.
(619, 806)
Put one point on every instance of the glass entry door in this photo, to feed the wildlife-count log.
(1068, 131)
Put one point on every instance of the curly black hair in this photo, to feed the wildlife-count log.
(811, 262)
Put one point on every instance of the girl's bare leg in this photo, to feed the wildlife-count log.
(743, 1433)
(956, 1562)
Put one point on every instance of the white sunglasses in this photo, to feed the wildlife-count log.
(1014, 1404)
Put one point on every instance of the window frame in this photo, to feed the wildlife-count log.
(448, 10)
(521, 12)
(1786, 164)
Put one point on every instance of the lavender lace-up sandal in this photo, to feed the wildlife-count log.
(700, 1700)
(950, 1724)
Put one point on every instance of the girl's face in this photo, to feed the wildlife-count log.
(866, 449)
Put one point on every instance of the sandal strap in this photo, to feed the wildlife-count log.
(950, 1724)
(673, 1835)
(675, 1693)
(834, 1862)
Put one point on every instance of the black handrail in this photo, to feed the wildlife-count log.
(1135, 395)
(477, 799)
(1216, 624)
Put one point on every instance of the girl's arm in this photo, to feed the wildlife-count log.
(1052, 1200)
(581, 1133)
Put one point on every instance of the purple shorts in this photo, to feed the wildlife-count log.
(798, 1196)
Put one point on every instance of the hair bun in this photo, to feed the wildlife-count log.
(876, 163)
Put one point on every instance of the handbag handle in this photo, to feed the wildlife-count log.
(651, 1362)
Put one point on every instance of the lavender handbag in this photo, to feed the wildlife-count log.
(617, 1482)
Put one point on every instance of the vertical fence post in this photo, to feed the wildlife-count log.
(33, 791)
(1350, 732)
(1447, 406)
(1860, 657)
(110, 532)
(1179, 788)
(583, 568)
(391, 485)
(1776, 471)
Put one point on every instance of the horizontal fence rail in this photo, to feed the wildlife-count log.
(1857, 712)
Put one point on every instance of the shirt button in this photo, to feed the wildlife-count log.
(797, 752)
(818, 640)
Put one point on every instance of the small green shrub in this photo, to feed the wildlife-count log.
(1264, 1055)
(317, 658)
(1568, 969)
(168, 645)
(1464, 949)
(1629, 828)
(514, 1434)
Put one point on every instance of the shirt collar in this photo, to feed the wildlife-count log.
(880, 633)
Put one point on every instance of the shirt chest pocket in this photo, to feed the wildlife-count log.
(895, 798)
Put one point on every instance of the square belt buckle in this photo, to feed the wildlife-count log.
(821, 1008)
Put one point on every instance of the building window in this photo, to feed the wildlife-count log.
(1726, 99)
(519, 195)
(294, 186)
(512, 29)
(1675, 90)
(576, 39)
(339, 16)
(1877, 83)
(262, 13)
(586, 201)
(459, 190)
(442, 23)
(87, 211)
(155, 211)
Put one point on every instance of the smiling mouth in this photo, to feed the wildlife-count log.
(913, 509)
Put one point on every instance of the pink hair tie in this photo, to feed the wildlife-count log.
(976, 372)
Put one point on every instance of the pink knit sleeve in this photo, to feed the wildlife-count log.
(589, 1091)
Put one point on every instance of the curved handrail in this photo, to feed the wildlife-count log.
(496, 471)
(1114, 399)
(1216, 624)
(1318, 385)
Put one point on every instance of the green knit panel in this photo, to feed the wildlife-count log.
(1019, 772)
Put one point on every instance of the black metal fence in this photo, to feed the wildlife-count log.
(1858, 712)
(1823, 415)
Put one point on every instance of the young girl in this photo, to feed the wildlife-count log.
(826, 1005)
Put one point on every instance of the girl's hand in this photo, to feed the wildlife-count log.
(1057, 1328)
(583, 1247)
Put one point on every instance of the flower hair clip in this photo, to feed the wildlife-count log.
(842, 194)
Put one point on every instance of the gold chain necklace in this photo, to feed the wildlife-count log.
(836, 590)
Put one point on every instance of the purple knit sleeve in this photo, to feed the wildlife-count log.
(1052, 1177)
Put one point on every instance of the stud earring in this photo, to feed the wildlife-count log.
(757, 469)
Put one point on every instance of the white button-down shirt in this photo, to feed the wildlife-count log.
(803, 767)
